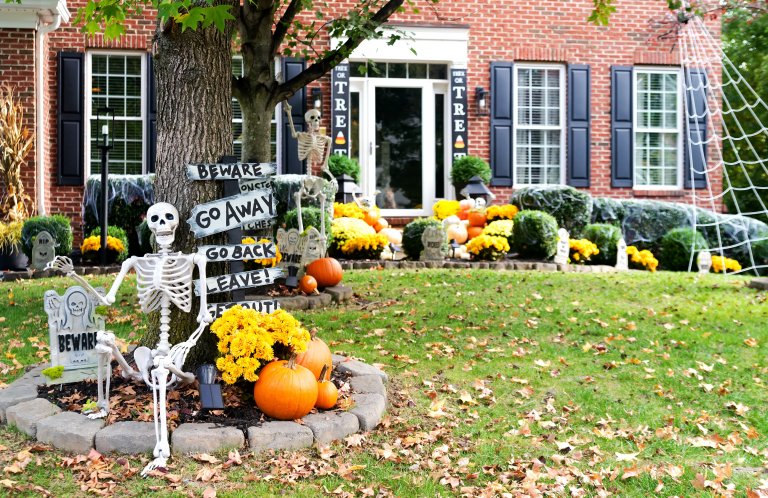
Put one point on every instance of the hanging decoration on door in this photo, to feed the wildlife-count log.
(458, 113)
(340, 109)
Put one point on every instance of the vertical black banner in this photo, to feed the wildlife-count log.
(340, 109)
(459, 140)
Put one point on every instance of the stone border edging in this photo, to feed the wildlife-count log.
(74, 432)
(492, 265)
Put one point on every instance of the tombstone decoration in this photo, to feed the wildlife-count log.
(314, 248)
(73, 327)
(563, 247)
(704, 261)
(622, 259)
(433, 239)
(291, 244)
(43, 250)
(163, 280)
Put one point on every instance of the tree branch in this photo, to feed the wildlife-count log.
(283, 24)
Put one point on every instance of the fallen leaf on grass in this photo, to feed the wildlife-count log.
(626, 457)
(206, 458)
(209, 492)
(751, 342)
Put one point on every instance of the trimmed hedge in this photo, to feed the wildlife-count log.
(534, 234)
(412, 235)
(605, 237)
(59, 226)
(571, 208)
(607, 210)
(679, 248)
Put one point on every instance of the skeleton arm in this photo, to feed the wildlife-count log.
(124, 269)
(64, 265)
(287, 108)
(327, 156)
(204, 316)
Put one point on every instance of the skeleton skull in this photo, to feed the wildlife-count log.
(312, 117)
(162, 219)
(76, 302)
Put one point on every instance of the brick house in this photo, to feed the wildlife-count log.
(534, 89)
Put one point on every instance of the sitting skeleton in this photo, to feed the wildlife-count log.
(162, 280)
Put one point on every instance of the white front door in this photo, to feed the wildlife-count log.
(398, 136)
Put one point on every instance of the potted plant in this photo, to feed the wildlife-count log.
(343, 165)
(11, 256)
(465, 168)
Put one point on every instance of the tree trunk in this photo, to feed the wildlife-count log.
(257, 128)
(194, 124)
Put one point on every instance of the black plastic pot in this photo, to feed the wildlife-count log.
(14, 260)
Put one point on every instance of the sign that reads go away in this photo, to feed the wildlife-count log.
(262, 306)
(242, 280)
(231, 212)
(229, 171)
(238, 252)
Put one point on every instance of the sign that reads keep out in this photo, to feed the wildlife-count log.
(231, 212)
(262, 306)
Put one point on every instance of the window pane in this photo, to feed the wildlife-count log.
(357, 69)
(417, 71)
(396, 70)
(438, 72)
(439, 145)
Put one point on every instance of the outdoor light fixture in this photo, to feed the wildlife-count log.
(292, 280)
(317, 98)
(347, 189)
(476, 189)
(394, 249)
(454, 246)
(481, 98)
(105, 120)
(210, 391)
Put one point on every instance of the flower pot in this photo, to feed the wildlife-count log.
(13, 260)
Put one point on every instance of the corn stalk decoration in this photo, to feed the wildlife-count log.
(15, 143)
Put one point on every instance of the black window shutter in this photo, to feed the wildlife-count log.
(622, 153)
(502, 77)
(695, 136)
(70, 119)
(150, 148)
(579, 133)
(298, 101)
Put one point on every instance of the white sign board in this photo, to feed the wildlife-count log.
(238, 252)
(704, 261)
(229, 171)
(231, 212)
(622, 259)
(242, 280)
(563, 247)
(263, 306)
(254, 184)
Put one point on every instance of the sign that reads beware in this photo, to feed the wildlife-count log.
(242, 280)
(229, 171)
(231, 212)
(263, 306)
(238, 252)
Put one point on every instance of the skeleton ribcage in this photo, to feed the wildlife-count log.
(170, 276)
(311, 147)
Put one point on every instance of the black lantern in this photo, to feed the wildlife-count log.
(317, 98)
(105, 121)
(292, 280)
(476, 189)
(347, 188)
(481, 98)
(210, 391)
(454, 246)
(394, 250)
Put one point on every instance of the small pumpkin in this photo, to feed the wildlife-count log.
(372, 216)
(317, 356)
(476, 219)
(392, 235)
(473, 232)
(285, 390)
(327, 272)
(380, 224)
(327, 393)
(308, 284)
(457, 232)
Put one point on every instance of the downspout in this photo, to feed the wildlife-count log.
(40, 132)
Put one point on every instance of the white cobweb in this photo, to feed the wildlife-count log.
(733, 138)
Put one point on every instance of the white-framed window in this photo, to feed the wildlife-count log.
(539, 113)
(237, 119)
(658, 125)
(117, 80)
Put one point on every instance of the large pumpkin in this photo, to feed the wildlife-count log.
(327, 272)
(327, 393)
(317, 356)
(285, 390)
(474, 232)
(457, 232)
(476, 219)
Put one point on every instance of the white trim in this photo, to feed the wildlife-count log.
(516, 126)
(29, 14)
(638, 129)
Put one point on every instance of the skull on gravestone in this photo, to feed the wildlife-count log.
(162, 219)
(76, 303)
(312, 117)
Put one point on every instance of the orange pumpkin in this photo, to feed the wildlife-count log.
(463, 215)
(466, 204)
(285, 390)
(308, 284)
(457, 232)
(372, 216)
(327, 393)
(317, 356)
(327, 272)
(473, 232)
(476, 219)
(380, 224)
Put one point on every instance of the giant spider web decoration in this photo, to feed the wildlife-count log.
(729, 146)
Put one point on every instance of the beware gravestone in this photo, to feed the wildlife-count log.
(563, 247)
(433, 239)
(622, 259)
(704, 261)
(72, 328)
(43, 250)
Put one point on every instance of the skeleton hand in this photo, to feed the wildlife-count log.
(62, 264)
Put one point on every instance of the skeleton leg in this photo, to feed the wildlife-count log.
(297, 200)
(323, 238)
(162, 449)
(104, 368)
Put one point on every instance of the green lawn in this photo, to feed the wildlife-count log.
(635, 384)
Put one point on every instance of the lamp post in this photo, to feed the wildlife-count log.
(105, 144)
(476, 189)
(481, 99)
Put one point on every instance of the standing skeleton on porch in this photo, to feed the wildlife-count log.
(315, 148)
(162, 280)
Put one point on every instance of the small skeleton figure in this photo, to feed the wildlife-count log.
(162, 280)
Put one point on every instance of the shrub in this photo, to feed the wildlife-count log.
(760, 250)
(58, 226)
(117, 233)
(340, 165)
(311, 217)
(605, 237)
(571, 208)
(466, 167)
(535, 234)
(641, 260)
(679, 247)
(146, 238)
(607, 210)
(646, 222)
(582, 250)
(412, 235)
(488, 247)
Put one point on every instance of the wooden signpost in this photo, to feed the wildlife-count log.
(240, 280)
(238, 252)
(232, 212)
(263, 306)
(230, 171)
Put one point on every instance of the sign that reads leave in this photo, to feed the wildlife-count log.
(229, 171)
(231, 212)
(459, 113)
(242, 280)
(238, 252)
(263, 306)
